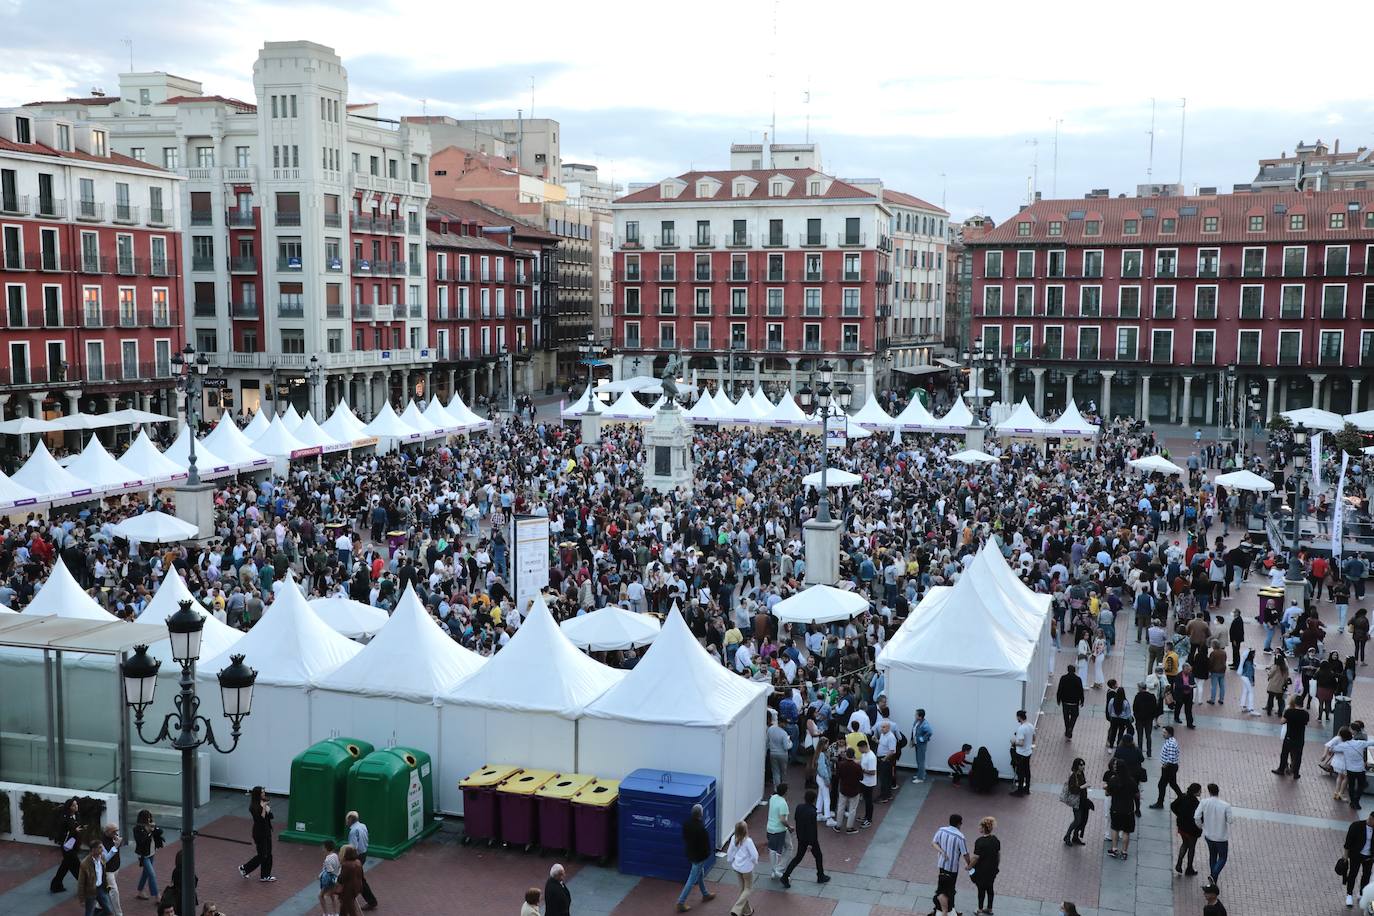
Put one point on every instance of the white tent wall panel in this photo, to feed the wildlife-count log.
(277, 730)
(471, 737)
(961, 708)
(380, 721)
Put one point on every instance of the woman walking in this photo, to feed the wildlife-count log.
(350, 881)
(147, 840)
(1359, 632)
(1185, 819)
(1076, 795)
(261, 812)
(1247, 684)
(1099, 656)
(1121, 790)
(743, 857)
(329, 880)
(1330, 677)
(818, 769)
(987, 856)
(1276, 683)
(1118, 716)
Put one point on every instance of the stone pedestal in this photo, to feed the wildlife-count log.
(196, 505)
(668, 451)
(1294, 593)
(591, 429)
(975, 437)
(822, 542)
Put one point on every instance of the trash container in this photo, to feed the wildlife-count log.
(395, 540)
(319, 790)
(1340, 714)
(479, 802)
(554, 799)
(654, 805)
(393, 792)
(518, 817)
(594, 810)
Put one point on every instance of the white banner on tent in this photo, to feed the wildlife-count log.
(1316, 462)
(836, 431)
(1338, 511)
(529, 557)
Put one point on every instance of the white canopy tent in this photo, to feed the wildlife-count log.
(154, 528)
(872, 415)
(45, 477)
(99, 470)
(348, 617)
(834, 477)
(386, 693)
(915, 417)
(1155, 464)
(1363, 421)
(703, 411)
(464, 414)
(1244, 480)
(610, 628)
(972, 456)
(786, 412)
(820, 604)
(578, 407)
(290, 418)
(972, 654)
(278, 442)
(957, 419)
(386, 425)
(344, 426)
(415, 418)
(761, 403)
(143, 460)
(61, 596)
(228, 442)
(1022, 421)
(215, 639)
(1314, 418)
(724, 406)
(258, 425)
(311, 435)
(124, 417)
(504, 712)
(290, 648)
(680, 710)
(15, 494)
(626, 407)
(208, 462)
(1071, 423)
(435, 413)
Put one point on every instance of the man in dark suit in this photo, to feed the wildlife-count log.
(557, 897)
(1069, 695)
(1144, 707)
(807, 838)
(1359, 856)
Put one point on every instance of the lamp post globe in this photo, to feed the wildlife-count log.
(184, 631)
(236, 690)
(139, 672)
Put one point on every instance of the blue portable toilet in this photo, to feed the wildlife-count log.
(654, 804)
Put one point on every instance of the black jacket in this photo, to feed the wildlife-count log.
(557, 898)
(1144, 706)
(1354, 837)
(805, 824)
(1070, 690)
(696, 841)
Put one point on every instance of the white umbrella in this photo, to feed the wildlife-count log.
(834, 477)
(1153, 463)
(972, 456)
(155, 528)
(1244, 480)
(348, 617)
(1315, 418)
(611, 628)
(820, 604)
(1364, 420)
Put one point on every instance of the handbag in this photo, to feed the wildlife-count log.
(327, 879)
(1342, 866)
(1068, 796)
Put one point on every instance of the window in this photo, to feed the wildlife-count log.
(1054, 300)
(1295, 260)
(1297, 222)
(667, 233)
(1025, 264)
(1290, 347)
(1021, 341)
(1025, 300)
(703, 232)
(64, 138)
(1336, 221)
(1204, 348)
(632, 300)
(128, 359)
(1090, 301)
(1056, 228)
(1128, 302)
(774, 302)
(1211, 224)
(1255, 224)
(1131, 263)
(1023, 229)
(1089, 343)
(702, 302)
(1337, 260)
(1208, 262)
(992, 339)
(1252, 262)
(1367, 311)
(1130, 227)
(1205, 302)
(701, 335)
(1329, 347)
(1252, 302)
(1164, 302)
(1162, 347)
(1054, 264)
(1092, 263)
(1166, 262)
(813, 232)
(1366, 348)
(1333, 300)
(703, 267)
(992, 301)
(1290, 303)
(98, 147)
(992, 265)
(811, 303)
(171, 157)
(775, 234)
(739, 302)
(667, 302)
(1052, 344)
(1168, 225)
(632, 232)
(205, 157)
(1127, 343)
(1092, 227)
(138, 154)
(850, 303)
(1248, 348)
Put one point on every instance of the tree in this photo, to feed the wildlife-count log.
(1349, 440)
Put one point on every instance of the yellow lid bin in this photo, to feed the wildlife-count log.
(479, 801)
(518, 810)
(489, 776)
(564, 787)
(600, 794)
(595, 816)
(555, 799)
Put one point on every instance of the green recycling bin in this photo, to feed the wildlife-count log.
(393, 792)
(319, 788)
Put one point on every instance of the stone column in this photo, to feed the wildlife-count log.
(792, 372)
(1187, 413)
(1068, 389)
(429, 384)
(527, 373)
(758, 371)
(1006, 384)
(1283, 397)
(1104, 406)
(453, 382)
(1209, 410)
(491, 375)
(1269, 401)
(1355, 394)
(1318, 394)
(472, 386)
(868, 381)
(1144, 412)
(1039, 391)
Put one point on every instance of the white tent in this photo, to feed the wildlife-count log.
(348, 617)
(415, 418)
(386, 425)
(312, 435)
(434, 412)
(15, 494)
(1315, 419)
(98, 469)
(61, 596)
(278, 441)
(834, 477)
(45, 477)
(386, 693)
(228, 442)
(972, 654)
(972, 456)
(786, 412)
(1071, 423)
(1244, 480)
(154, 528)
(611, 628)
(215, 639)
(820, 604)
(578, 407)
(957, 419)
(1022, 422)
(1364, 420)
(747, 410)
(208, 462)
(761, 402)
(915, 417)
(344, 426)
(143, 460)
(626, 407)
(725, 407)
(291, 419)
(872, 414)
(258, 425)
(680, 710)
(290, 648)
(521, 707)
(1151, 464)
(705, 411)
(464, 414)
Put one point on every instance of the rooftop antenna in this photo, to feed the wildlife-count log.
(773, 82)
(424, 107)
(531, 97)
(129, 44)
(1054, 180)
(1150, 164)
(806, 99)
(944, 187)
(1035, 168)
(1182, 126)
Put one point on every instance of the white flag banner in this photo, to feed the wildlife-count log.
(1316, 463)
(1338, 510)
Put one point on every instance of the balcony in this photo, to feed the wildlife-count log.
(774, 345)
(17, 317)
(333, 264)
(667, 275)
(204, 310)
(245, 310)
(1329, 358)
(815, 240)
(811, 346)
(361, 266)
(290, 308)
(48, 206)
(240, 219)
(415, 269)
(851, 276)
(93, 316)
(88, 211)
(666, 241)
(777, 240)
(333, 220)
(159, 217)
(413, 225)
(704, 241)
(157, 317)
(53, 317)
(853, 240)
(359, 222)
(202, 263)
(850, 346)
(14, 205)
(739, 240)
(702, 274)
(394, 226)
(386, 312)
(94, 264)
(631, 243)
(243, 264)
(363, 311)
(125, 266)
(291, 263)
(851, 310)
(243, 174)
(415, 311)
(128, 318)
(739, 275)
(202, 217)
(287, 218)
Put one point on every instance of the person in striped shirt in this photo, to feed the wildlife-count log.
(1169, 757)
(950, 846)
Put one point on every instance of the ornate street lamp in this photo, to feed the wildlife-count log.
(190, 368)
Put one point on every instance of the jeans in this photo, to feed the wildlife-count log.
(777, 764)
(696, 877)
(801, 851)
(1341, 611)
(849, 809)
(147, 876)
(795, 735)
(100, 899)
(1216, 856)
(920, 748)
(1268, 636)
(1217, 681)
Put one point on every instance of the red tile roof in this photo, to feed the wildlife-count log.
(92, 100)
(217, 99)
(838, 190)
(907, 200)
(477, 212)
(1233, 211)
(40, 149)
(472, 243)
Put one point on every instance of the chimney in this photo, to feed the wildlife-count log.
(1337, 149)
(1037, 197)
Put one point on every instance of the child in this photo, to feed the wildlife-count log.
(957, 761)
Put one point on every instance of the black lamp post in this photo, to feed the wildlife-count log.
(1294, 583)
(588, 349)
(508, 358)
(821, 395)
(312, 377)
(187, 729)
(190, 368)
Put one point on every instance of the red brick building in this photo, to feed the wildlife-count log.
(89, 246)
(1142, 304)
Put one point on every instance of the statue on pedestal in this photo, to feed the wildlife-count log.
(669, 381)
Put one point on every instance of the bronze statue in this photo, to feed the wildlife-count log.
(668, 378)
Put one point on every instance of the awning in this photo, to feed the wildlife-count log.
(69, 634)
(924, 370)
(948, 363)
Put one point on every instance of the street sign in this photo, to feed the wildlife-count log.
(214, 383)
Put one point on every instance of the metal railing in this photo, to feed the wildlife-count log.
(200, 263)
(852, 239)
(290, 308)
(777, 240)
(815, 240)
(240, 219)
(202, 217)
(333, 220)
(292, 264)
(287, 218)
(703, 240)
(245, 309)
(89, 211)
(241, 264)
(204, 310)
(50, 206)
(739, 240)
(14, 204)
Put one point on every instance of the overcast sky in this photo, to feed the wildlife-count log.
(953, 102)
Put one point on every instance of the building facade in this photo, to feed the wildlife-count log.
(531, 143)
(920, 248)
(306, 220)
(753, 274)
(90, 268)
(1317, 167)
(1143, 304)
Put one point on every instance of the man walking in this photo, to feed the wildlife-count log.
(1022, 742)
(849, 780)
(1214, 817)
(887, 762)
(807, 838)
(1169, 757)
(1069, 696)
(868, 762)
(1144, 707)
(557, 897)
(1295, 720)
(111, 840)
(921, 733)
(1359, 857)
(357, 838)
(696, 840)
(1157, 637)
(950, 847)
(779, 746)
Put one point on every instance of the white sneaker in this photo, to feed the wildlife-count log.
(916, 780)
(1349, 900)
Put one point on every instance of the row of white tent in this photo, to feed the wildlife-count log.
(1318, 420)
(756, 409)
(95, 473)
